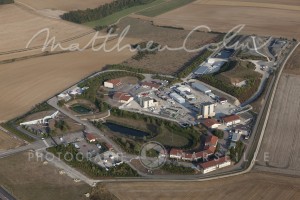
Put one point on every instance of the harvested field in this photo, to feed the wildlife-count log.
(167, 61)
(281, 140)
(19, 25)
(293, 65)
(8, 142)
(222, 16)
(249, 186)
(65, 5)
(26, 83)
(30, 180)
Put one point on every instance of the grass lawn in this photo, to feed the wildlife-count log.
(243, 70)
(111, 19)
(165, 7)
(166, 137)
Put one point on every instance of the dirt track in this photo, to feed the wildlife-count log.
(258, 19)
(249, 186)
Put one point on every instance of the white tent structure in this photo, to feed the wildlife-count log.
(40, 121)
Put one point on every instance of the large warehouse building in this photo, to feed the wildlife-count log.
(201, 88)
(177, 97)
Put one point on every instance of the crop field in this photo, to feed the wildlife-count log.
(222, 16)
(32, 179)
(293, 66)
(166, 61)
(164, 7)
(249, 186)
(38, 76)
(19, 25)
(65, 5)
(280, 151)
(8, 141)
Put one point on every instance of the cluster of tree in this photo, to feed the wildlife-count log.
(95, 82)
(128, 68)
(218, 133)
(190, 133)
(241, 93)
(251, 57)
(6, 1)
(128, 145)
(237, 153)
(194, 63)
(177, 169)
(171, 81)
(44, 106)
(101, 105)
(82, 16)
(109, 29)
(61, 124)
(145, 48)
(71, 156)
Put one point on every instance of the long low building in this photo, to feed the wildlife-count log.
(215, 164)
(201, 88)
(230, 120)
(177, 97)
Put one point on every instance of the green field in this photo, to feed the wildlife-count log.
(164, 7)
(111, 19)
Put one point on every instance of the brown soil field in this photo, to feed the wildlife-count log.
(167, 61)
(28, 180)
(222, 16)
(28, 82)
(65, 5)
(8, 142)
(293, 65)
(281, 140)
(19, 25)
(249, 186)
(282, 2)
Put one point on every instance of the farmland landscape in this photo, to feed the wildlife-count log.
(280, 143)
(108, 118)
(222, 16)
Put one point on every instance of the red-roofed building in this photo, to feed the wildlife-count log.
(215, 164)
(231, 120)
(90, 137)
(176, 153)
(211, 141)
(188, 156)
(151, 85)
(122, 97)
(211, 123)
(113, 83)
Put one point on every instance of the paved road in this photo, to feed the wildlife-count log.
(4, 195)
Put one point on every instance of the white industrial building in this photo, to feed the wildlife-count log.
(182, 89)
(113, 83)
(147, 102)
(231, 120)
(41, 120)
(177, 97)
(215, 164)
(212, 65)
(208, 110)
(201, 88)
(64, 96)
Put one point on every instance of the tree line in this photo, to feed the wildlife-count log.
(6, 1)
(82, 16)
